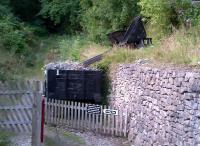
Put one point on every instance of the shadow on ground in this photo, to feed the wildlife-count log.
(56, 137)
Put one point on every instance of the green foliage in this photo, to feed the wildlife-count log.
(4, 138)
(27, 10)
(71, 47)
(14, 35)
(101, 17)
(194, 15)
(164, 15)
(104, 66)
(62, 11)
(17, 42)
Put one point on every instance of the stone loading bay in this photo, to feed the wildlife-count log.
(163, 102)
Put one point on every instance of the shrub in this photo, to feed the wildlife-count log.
(194, 15)
(26, 10)
(65, 12)
(15, 37)
(101, 17)
(71, 47)
(165, 15)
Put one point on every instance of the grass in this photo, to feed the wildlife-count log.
(74, 138)
(182, 47)
(58, 137)
(5, 138)
(49, 141)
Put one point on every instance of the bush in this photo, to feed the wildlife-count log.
(165, 15)
(101, 17)
(194, 15)
(4, 138)
(71, 47)
(15, 37)
(64, 12)
(26, 10)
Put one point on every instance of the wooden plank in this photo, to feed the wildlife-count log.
(17, 107)
(109, 123)
(104, 120)
(15, 122)
(89, 121)
(14, 117)
(24, 117)
(68, 112)
(72, 114)
(101, 120)
(61, 112)
(10, 119)
(53, 111)
(93, 121)
(117, 123)
(15, 92)
(36, 120)
(17, 117)
(56, 111)
(79, 114)
(75, 115)
(112, 124)
(97, 123)
(86, 117)
(82, 116)
(28, 101)
(65, 112)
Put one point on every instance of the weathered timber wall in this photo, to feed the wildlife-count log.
(163, 102)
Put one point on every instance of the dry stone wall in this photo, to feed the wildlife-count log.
(163, 104)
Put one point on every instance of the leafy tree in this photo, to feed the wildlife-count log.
(64, 12)
(163, 14)
(101, 17)
(14, 35)
(194, 15)
(27, 10)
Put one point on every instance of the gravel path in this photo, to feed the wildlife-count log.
(92, 139)
(21, 140)
(95, 139)
(62, 136)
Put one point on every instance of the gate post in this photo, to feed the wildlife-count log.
(36, 118)
(42, 119)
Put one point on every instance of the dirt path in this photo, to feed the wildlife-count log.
(21, 140)
(62, 136)
(68, 137)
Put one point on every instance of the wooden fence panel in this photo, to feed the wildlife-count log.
(74, 115)
(20, 109)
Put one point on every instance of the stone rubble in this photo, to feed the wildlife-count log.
(163, 102)
(67, 65)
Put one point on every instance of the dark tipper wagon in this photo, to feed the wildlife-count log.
(73, 85)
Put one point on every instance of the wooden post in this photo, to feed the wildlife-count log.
(36, 118)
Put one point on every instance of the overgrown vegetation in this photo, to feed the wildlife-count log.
(182, 47)
(101, 17)
(4, 138)
(34, 32)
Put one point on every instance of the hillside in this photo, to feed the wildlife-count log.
(77, 30)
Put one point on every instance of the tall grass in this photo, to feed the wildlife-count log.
(79, 48)
(182, 47)
(5, 138)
